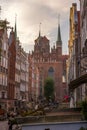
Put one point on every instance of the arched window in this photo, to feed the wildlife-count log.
(51, 72)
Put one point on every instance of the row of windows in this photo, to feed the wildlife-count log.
(4, 62)
(3, 70)
(3, 95)
(3, 80)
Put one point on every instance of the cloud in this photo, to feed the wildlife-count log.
(31, 12)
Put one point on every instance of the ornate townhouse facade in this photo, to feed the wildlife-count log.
(74, 46)
(78, 57)
(11, 68)
(24, 77)
(3, 63)
(83, 16)
(14, 69)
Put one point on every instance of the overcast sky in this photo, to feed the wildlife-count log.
(30, 13)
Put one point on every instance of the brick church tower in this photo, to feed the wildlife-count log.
(45, 62)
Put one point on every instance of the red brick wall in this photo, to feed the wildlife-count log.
(11, 67)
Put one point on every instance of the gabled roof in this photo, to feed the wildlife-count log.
(44, 39)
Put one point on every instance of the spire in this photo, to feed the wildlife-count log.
(59, 41)
(39, 29)
(0, 12)
(15, 27)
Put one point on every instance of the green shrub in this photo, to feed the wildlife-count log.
(82, 128)
(84, 109)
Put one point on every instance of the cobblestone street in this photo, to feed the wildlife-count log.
(3, 125)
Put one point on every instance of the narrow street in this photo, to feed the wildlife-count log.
(43, 65)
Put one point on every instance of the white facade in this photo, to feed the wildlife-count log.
(17, 71)
(24, 75)
(3, 60)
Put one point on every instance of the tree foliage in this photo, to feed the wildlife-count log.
(49, 88)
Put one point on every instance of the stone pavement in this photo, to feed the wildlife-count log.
(3, 125)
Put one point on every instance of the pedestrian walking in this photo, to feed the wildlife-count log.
(10, 124)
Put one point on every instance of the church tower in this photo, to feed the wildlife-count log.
(59, 41)
(41, 48)
(46, 63)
